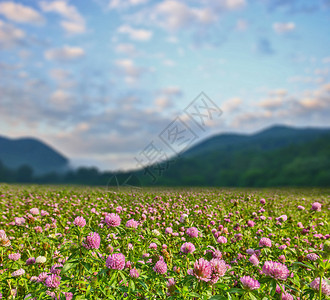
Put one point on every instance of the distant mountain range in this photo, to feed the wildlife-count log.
(276, 156)
(15, 153)
(268, 139)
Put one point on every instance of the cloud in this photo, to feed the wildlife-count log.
(169, 62)
(229, 4)
(282, 107)
(272, 103)
(128, 49)
(130, 70)
(326, 87)
(128, 66)
(73, 22)
(22, 105)
(20, 13)
(73, 27)
(171, 91)
(283, 28)
(63, 79)
(163, 102)
(62, 100)
(232, 105)
(317, 100)
(66, 53)
(313, 103)
(61, 120)
(123, 132)
(173, 15)
(10, 36)
(278, 92)
(59, 74)
(124, 4)
(250, 120)
(200, 18)
(136, 34)
(165, 97)
(276, 100)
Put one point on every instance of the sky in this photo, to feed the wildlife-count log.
(103, 80)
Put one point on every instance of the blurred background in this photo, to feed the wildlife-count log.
(93, 83)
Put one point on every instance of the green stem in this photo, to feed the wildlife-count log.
(320, 288)
(282, 289)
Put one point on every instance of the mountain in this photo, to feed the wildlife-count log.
(15, 153)
(268, 139)
(276, 156)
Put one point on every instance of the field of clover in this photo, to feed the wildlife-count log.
(93, 243)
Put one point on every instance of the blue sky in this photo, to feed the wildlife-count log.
(100, 79)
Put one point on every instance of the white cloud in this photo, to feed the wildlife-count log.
(66, 53)
(172, 91)
(82, 126)
(225, 5)
(163, 102)
(128, 66)
(135, 34)
(204, 16)
(247, 120)
(311, 106)
(313, 103)
(271, 103)
(59, 74)
(130, 70)
(10, 36)
(73, 22)
(20, 13)
(122, 4)
(165, 97)
(138, 2)
(173, 15)
(169, 62)
(278, 92)
(232, 105)
(60, 99)
(276, 100)
(231, 4)
(115, 4)
(282, 28)
(326, 87)
(73, 27)
(126, 49)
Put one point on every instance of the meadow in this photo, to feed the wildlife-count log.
(60, 242)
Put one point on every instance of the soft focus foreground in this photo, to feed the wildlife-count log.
(72, 243)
